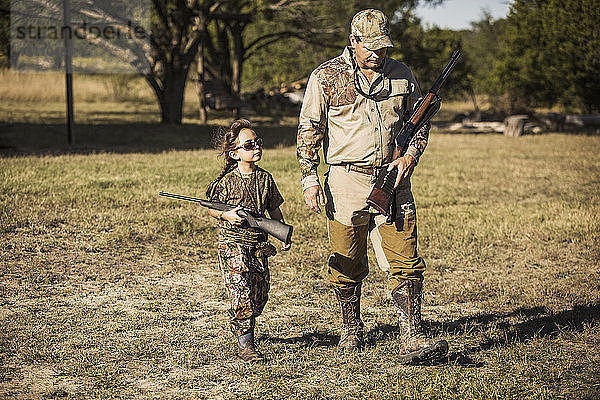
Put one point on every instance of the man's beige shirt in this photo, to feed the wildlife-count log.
(352, 128)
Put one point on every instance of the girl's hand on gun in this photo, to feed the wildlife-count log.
(232, 217)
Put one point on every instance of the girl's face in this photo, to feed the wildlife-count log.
(248, 147)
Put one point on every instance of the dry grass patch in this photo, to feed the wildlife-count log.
(107, 290)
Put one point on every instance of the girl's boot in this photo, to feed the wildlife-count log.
(247, 349)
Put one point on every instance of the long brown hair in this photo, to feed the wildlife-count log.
(225, 141)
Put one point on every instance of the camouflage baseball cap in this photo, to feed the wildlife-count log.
(373, 29)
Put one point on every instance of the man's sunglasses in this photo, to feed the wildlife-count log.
(251, 144)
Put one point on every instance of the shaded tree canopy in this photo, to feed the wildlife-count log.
(550, 54)
(296, 57)
(482, 44)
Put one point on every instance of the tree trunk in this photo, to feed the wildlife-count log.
(476, 112)
(170, 96)
(200, 85)
(224, 58)
(236, 67)
(238, 55)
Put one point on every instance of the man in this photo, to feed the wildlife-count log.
(354, 106)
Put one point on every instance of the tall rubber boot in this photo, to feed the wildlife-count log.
(417, 348)
(349, 300)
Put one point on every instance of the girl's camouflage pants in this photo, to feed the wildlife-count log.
(246, 279)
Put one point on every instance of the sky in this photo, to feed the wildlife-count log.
(457, 14)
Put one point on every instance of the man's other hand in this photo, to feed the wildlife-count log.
(313, 197)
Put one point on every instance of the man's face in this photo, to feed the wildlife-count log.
(365, 58)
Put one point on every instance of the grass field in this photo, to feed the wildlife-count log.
(109, 291)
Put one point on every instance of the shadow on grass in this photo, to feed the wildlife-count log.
(540, 323)
(313, 339)
(21, 139)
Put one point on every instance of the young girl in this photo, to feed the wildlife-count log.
(243, 251)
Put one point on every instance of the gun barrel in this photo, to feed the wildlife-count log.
(445, 72)
(178, 196)
(205, 203)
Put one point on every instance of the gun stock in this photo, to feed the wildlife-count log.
(273, 227)
(277, 229)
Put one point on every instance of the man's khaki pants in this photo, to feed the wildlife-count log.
(395, 244)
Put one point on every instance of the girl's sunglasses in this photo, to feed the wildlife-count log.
(251, 144)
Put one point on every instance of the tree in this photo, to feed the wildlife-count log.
(240, 30)
(482, 44)
(292, 35)
(4, 33)
(550, 54)
(174, 43)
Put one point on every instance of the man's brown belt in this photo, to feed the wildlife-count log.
(360, 170)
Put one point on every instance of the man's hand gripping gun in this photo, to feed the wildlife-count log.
(381, 195)
(277, 229)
